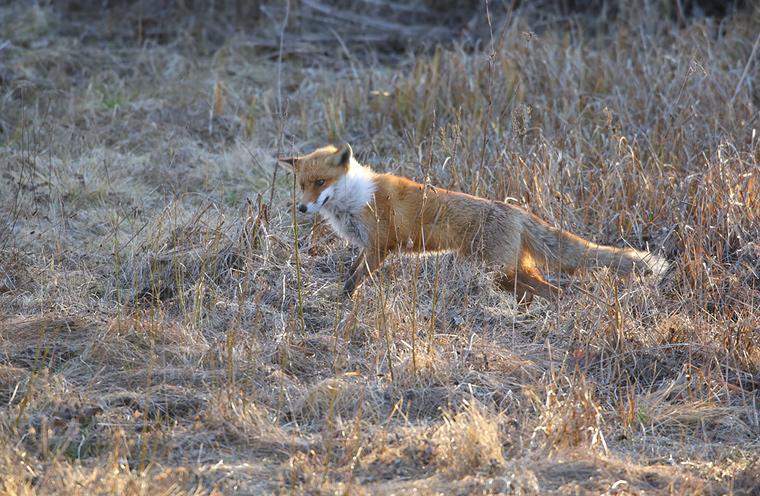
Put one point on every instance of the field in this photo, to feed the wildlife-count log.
(169, 325)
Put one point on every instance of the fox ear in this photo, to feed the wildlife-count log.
(344, 154)
(290, 163)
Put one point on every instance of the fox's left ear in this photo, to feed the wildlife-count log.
(344, 154)
(288, 162)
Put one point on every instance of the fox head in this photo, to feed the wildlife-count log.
(317, 174)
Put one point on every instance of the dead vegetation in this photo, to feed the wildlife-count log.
(169, 327)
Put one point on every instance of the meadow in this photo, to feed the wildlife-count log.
(169, 324)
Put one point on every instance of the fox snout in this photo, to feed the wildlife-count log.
(312, 207)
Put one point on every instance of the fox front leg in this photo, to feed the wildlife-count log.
(364, 265)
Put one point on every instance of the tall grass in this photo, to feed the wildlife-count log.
(171, 324)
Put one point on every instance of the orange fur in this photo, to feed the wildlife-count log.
(383, 213)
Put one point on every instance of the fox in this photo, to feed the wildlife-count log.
(383, 213)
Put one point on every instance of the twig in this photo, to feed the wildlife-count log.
(279, 57)
(362, 20)
(746, 69)
(279, 103)
(348, 54)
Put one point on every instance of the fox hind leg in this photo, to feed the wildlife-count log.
(532, 278)
(526, 282)
(507, 281)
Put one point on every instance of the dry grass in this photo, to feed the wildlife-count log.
(163, 332)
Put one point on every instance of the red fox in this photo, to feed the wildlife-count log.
(383, 213)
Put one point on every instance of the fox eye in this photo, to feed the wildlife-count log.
(319, 182)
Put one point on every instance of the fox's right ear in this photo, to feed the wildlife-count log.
(344, 154)
(290, 163)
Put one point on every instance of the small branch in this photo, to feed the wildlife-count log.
(746, 69)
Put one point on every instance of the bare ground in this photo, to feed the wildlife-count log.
(167, 328)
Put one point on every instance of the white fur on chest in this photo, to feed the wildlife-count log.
(349, 196)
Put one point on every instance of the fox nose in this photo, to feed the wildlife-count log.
(302, 208)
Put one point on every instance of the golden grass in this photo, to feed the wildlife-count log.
(169, 327)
